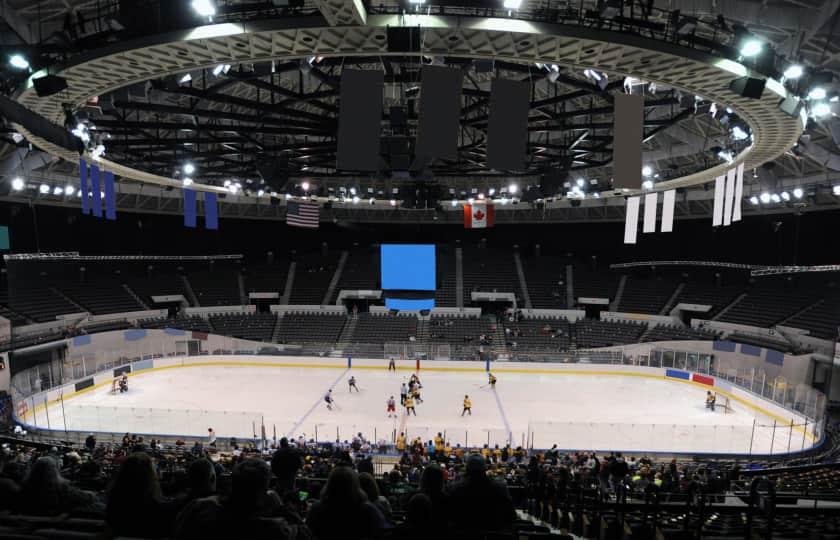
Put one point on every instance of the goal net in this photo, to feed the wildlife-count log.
(115, 386)
(724, 403)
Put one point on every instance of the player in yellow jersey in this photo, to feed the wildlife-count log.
(401, 443)
(467, 406)
(439, 443)
(409, 406)
(491, 380)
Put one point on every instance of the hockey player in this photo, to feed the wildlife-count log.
(401, 442)
(415, 381)
(403, 393)
(392, 365)
(352, 384)
(416, 394)
(124, 383)
(409, 406)
(467, 406)
(392, 407)
(491, 380)
(329, 399)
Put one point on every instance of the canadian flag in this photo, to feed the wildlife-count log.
(478, 216)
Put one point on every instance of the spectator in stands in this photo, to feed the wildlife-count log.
(201, 480)
(252, 511)
(479, 503)
(285, 465)
(431, 485)
(344, 510)
(371, 489)
(419, 519)
(90, 442)
(618, 470)
(46, 492)
(9, 489)
(135, 504)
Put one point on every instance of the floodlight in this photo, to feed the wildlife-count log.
(647, 171)
(44, 188)
(185, 79)
(739, 134)
(817, 93)
(751, 47)
(187, 181)
(356, 200)
(797, 192)
(765, 197)
(58, 190)
(647, 184)
(305, 186)
(794, 71)
(836, 190)
(785, 196)
(753, 200)
(19, 62)
(512, 188)
(775, 198)
(512, 4)
(69, 190)
(580, 182)
(821, 109)
(205, 8)
(18, 184)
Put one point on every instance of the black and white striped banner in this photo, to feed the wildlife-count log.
(729, 190)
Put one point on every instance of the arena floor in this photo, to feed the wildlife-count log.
(574, 411)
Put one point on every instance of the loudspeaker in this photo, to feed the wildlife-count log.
(49, 85)
(403, 39)
(748, 87)
(791, 106)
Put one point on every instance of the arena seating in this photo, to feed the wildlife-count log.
(546, 278)
(462, 333)
(255, 326)
(193, 323)
(702, 289)
(101, 295)
(647, 294)
(312, 277)
(489, 270)
(38, 303)
(360, 271)
(446, 294)
(667, 332)
(593, 333)
(217, 285)
(383, 328)
(822, 319)
(768, 303)
(307, 328)
(538, 334)
(160, 279)
(267, 278)
(594, 284)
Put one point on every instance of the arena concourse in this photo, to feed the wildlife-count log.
(487, 270)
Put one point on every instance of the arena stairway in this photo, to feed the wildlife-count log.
(672, 301)
(729, 306)
(618, 293)
(345, 338)
(134, 295)
(189, 290)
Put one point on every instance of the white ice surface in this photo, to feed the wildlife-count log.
(574, 411)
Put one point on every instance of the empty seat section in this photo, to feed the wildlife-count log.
(360, 272)
(462, 333)
(666, 332)
(594, 333)
(768, 302)
(254, 326)
(100, 293)
(646, 294)
(267, 278)
(546, 278)
(312, 278)
(821, 319)
(594, 284)
(217, 285)
(489, 270)
(310, 328)
(193, 322)
(373, 331)
(154, 280)
(446, 293)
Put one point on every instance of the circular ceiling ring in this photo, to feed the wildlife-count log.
(665, 63)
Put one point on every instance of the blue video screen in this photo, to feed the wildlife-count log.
(408, 267)
(404, 304)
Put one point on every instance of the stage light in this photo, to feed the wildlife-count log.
(751, 47)
(797, 192)
(794, 71)
(19, 62)
(18, 184)
(739, 134)
(205, 8)
(753, 200)
(185, 79)
(69, 190)
(512, 188)
(764, 197)
(647, 171)
(785, 196)
(817, 93)
(187, 181)
(305, 186)
(44, 189)
(647, 184)
(221, 68)
(821, 109)
(775, 198)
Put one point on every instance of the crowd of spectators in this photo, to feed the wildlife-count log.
(302, 490)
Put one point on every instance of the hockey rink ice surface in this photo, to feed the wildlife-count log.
(574, 411)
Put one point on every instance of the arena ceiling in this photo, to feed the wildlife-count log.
(224, 122)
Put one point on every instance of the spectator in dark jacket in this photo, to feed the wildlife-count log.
(46, 492)
(285, 464)
(343, 510)
(135, 504)
(479, 503)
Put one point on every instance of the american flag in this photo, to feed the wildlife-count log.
(302, 214)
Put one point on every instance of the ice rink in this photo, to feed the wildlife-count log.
(575, 411)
